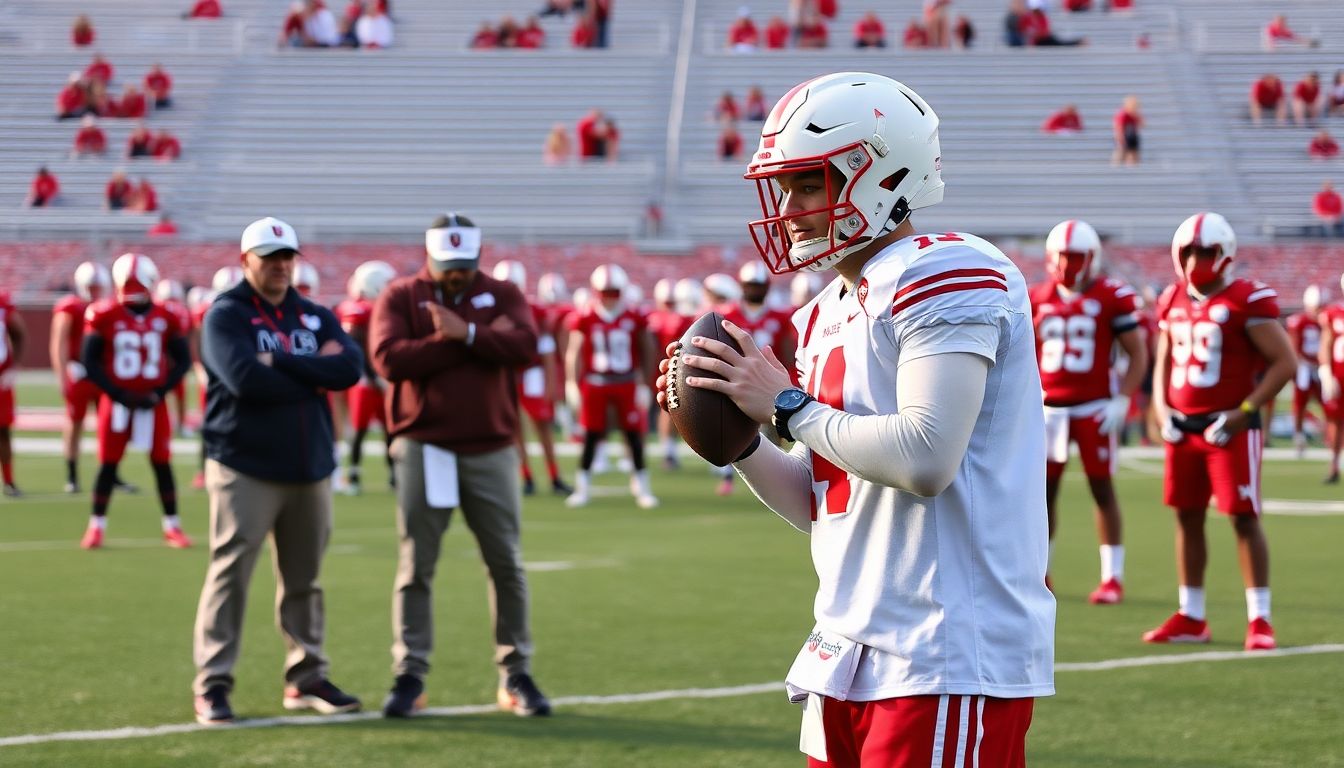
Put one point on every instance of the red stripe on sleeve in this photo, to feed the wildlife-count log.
(948, 275)
(949, 288)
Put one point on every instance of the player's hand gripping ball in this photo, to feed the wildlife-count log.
(709, 422)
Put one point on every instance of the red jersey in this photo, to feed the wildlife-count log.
(668, 326)
(766, 326)
(354, 313)
(198, 313)
(1334, 316)
(74, 307)
(180, 312)
(1075, 336)
(610, 343)
(7, 311)
(1305, 332)
(135, 349)
(1213, 365)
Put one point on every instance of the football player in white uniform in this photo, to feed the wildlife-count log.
(917, 469)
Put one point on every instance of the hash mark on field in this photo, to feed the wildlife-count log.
(1303, 507)
(136, 732)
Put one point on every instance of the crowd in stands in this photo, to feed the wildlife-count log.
(592, 20)
(86, 93)
(509, 34)
(806, 27)
(1329, 209)
(1310, 102)
(727, 113)
(597, 138)
(1028, 24)
(364, 24)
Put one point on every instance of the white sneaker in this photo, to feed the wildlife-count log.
(1300, 444)
(646, 500)
(577, 499)
(642, 491)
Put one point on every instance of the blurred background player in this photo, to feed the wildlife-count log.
(666, 325)
(608, 360)
(134, 350)
(1304, 329)
(1216, 333)
(1331, 373)
(173, 297)
(553, 297)
(199, 299)
(802, 288)
(13, 334)
(92, 282)
(536, 387)
(722, 294)
(307, 281)
(363, 401)
(1080, 318)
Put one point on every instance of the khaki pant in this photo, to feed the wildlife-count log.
(492, 508)
(243, 512)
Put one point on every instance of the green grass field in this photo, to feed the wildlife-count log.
(703, 592)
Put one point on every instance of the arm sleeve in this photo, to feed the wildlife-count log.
(230, 357)
(397, 356)
(782, 481)
(180, 354)
(334, 372)
(515, 346)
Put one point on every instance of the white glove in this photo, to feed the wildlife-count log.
(1170, 432)
(643, 397)
(1216, 433)
(1329, 384)
(573, 395)
(74, 370)
(1112, 417)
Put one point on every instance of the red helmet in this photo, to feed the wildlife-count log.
(134, 276)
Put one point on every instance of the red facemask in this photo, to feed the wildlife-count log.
(1206, 268)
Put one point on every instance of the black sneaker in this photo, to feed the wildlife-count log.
(321, 696)
(212, 707)
(521, 696)
(406, 697)
(529, 487)
(560, 487)
(1332, 478)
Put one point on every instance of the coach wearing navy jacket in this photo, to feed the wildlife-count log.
(270, 355)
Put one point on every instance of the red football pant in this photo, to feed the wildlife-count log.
(1097, 451)
(922, 731)
(114, 432)
(79, 395)
(1197, 471)
(620, 398)
(1303, 397)
(366, 406)
(539, 409)
(6, 408)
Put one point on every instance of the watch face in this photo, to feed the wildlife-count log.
(790, 398)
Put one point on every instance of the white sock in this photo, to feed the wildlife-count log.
(99, 522)
(171, 523)
(1257, 603)
(1112, 562)
(1192, 601)
(639, 483)
(581, 482)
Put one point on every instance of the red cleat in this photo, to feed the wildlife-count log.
(1260, 636)
(93, 538)
(1110, 592)
(175, 538)
(1179, 629)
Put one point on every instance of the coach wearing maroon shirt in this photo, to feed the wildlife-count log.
(448, 340)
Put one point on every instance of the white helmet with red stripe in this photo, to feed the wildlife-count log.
(753, 273)
(225, 278)
(92, 281)
(306, 279)
(1313, 297)
(879, 136)
(1204, 232)
(662, 292)
(134, 276)
(1073, 254)
(551, 289)
(608, 277)
(369, 279)
(722, 287)
(199, 295)
(168, 289)
(688, 296)
(511, 271)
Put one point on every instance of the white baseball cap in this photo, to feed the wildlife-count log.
(266, 236)
(453, 242)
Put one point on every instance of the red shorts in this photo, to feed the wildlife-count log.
(6, 408)
(79, 395)
(366, 406)
(1097, 451)
(1197, 471)
(539, 409)
(619, 398)
(115, 429)
(956, 731)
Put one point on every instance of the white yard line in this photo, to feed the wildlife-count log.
(1303, 507)
(137, 732)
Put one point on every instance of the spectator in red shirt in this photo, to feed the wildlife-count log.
(726, 109)
(98, 101)
(117, 194)
(72, 101)
(777, 34)
(743, 36)
(1128, 121)
(869, 32)
(558, 148)
(915, 35)
(132, 104)
(1307, 99)
(291, 32)
(43, 190)
(508, 32)
(159, 86)
(532, 36)
(1066, 120)
(827, 9)
(485, 38)
(1329, 208)
(600, 11)
(166, 147)
(144, 199)
(756, 107)
(935, 22)
(1277, 34)
(585, 32)
(1323, 146)
(586, 130)
(964, 31)
(81, 33)
(1036, 30)
(140, 143)
(164, 227)
(1267, 96)
(730, 142)
(90, 139)
(99, 70)
(204, 9)
(812, 32)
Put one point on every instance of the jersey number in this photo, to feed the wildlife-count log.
(827, 478)
(1196, 354)
(1337, 348)
(925, 241)
(136, 355)
(1070, 344)
(612, 351)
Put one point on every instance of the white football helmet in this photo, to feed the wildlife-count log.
(608, 277)
(803, 287)
(1312, 298)
(92, 281)
(199, 296)
(1073, 254)
(722, 287)
(169, 290)
(753, 273)
(877, 134)
(551, 289)
(1204, 231)
(369, 279)
(225, 278)
(632, 295)
(306, 279)
(582, 297)
(688, 296)
(511, 271)
(662, 293)
(134, 276)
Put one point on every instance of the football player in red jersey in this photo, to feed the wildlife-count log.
(608, 358)
(553, 297)
(1080, 318)
(1216, 333)
(92, 282)
(363, 401)
(199, 299)
(135, 351)
(667, 323)
(1331, 373)
(173, 297)
(1304, 328)
(307, 281)
(536, 387)
(13, 334)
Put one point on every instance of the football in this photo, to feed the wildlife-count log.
(708, 421)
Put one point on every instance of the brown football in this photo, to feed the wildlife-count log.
(709, 422)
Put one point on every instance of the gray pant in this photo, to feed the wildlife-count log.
(492, 508)
(243, 512)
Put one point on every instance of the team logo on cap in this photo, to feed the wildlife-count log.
(455, 238)
(277, 230)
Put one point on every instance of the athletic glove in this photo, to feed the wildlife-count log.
(1216, 433)
(1112, 417)
(1170, 432)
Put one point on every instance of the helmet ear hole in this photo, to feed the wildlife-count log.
(894, 180)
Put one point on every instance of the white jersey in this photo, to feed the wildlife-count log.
(944, 594)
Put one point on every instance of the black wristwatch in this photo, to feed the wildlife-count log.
(787, 403)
